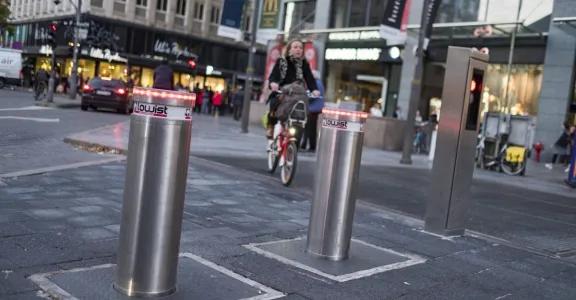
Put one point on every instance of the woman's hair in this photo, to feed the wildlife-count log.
(289, 45)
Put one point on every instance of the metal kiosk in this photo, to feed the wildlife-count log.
(336, 180)
(157, 167)
(446, 211)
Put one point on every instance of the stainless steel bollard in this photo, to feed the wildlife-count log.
(338, 164)
(157, 167)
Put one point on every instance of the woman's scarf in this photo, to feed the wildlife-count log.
(297, 62)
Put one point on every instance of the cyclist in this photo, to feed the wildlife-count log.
(291, 68)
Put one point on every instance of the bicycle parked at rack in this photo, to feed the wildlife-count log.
(510, 159)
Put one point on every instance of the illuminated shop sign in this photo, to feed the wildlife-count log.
(106, 54)
(353, 53)
(173, 48)
(354, 35)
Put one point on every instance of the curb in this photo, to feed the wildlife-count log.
(94, 147)
(60, 168)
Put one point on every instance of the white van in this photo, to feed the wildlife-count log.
(10, 66)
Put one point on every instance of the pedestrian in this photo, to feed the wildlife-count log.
(376, 110)
(163, 77)
(41, 83)
(314, 109)
(397, 112)
(237, 101)
(198, 92)
(206, 99)
(217, 103)
(561, 148)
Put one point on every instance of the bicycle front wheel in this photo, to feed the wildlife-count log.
(513, 168)
(290, 162)
(273, 156)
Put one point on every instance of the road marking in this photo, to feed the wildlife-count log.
(24, 108)
(62, 167)
(40, 120)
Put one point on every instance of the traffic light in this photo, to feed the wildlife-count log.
(52, 29)
(476, 87)
(192, 63)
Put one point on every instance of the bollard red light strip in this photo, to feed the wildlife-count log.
(354, 114)
(163, 94)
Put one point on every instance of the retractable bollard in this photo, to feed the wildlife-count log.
(157, 167)
(338, 164)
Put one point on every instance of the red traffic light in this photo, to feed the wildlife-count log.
(53, 27)
(475, 86)
(192, 63)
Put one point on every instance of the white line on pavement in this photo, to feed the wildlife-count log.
(25, 108)
(40, 120)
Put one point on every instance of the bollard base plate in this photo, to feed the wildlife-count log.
(141, 294)
(197, 279)
(364, 259)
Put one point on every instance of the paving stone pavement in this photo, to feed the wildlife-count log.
(69, 219)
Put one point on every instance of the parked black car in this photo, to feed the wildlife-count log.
(107, 93)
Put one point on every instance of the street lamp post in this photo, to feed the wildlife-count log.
(416, 89)
(250, 69)
(74, 74)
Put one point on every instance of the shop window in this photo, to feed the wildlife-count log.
(215, 15)
(524, 89)
(198, 11)
(112, 71)
(215, 83)
(162, 5)
(97, 3)
(376, 12)
(181, 7)
(358, 12)
(87, 68)
(147, 77)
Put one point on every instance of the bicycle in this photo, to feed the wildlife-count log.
(283, 151)
(510, 159)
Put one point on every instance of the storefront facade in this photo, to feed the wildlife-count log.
(129, 51)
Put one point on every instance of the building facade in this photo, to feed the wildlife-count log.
(127, 38)
(361, 67)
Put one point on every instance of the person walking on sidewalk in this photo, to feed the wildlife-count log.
(206, 100)
(237, 101)
(163, 77)
(314, 109)
(561, 147)
(217, 103)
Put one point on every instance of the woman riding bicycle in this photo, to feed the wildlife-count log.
(291, 68)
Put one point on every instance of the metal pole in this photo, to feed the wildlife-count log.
(510, 58)
(416, 89)
(74, 74)
(250, 70)
(506, 103)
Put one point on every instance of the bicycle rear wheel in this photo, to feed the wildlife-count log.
(290, 161)
(273, 156)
